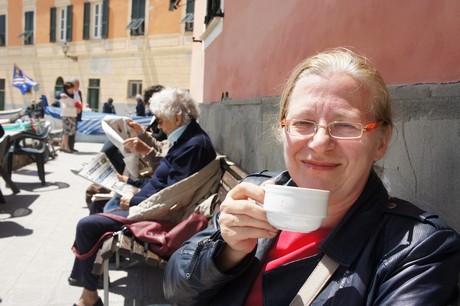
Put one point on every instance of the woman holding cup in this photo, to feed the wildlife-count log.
(335, 122)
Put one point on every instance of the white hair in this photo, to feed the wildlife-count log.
(172, 101)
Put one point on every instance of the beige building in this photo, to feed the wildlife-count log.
(116, 48)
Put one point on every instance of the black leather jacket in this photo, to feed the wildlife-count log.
(389, 251)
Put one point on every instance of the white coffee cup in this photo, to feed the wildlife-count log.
(295, 209)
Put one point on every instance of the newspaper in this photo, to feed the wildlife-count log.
(101, 171)
(117, 130)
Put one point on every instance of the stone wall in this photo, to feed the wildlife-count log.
(422, 164)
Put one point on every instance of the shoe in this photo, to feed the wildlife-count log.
(65, 150)
(74, 150)
(76, 283)
(98, 303)
(75, 170)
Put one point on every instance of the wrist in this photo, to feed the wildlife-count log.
(147, 151)
(141, 132)
(229, 258)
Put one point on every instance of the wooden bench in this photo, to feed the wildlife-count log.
(124, 245)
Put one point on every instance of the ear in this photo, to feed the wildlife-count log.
(178, 119)
(383, 143)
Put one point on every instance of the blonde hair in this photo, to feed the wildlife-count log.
(343, 61)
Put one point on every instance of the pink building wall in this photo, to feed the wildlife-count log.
(412, 41)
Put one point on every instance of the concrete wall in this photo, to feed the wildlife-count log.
(422, 164)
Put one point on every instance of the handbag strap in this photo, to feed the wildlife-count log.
(93, 250)
(315, 282)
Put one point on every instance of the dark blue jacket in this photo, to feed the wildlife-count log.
(108, 108)
(140, 108)
(191, 152)
(389, 251)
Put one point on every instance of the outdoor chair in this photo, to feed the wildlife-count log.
(37, 146)
(4, 144)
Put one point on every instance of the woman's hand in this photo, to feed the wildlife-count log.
(124, 202)
(122, 178)
(242, 222)
(139, 129)
(136, 145)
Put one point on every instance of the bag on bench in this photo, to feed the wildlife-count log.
(163, 237)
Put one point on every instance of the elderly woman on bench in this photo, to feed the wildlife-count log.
(191, 150)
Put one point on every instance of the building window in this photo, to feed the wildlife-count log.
(2, 30)
(134, 88)
(137, 23)
(213, 9)
(2, 94)
(28, 34)
(189, 16)
(62, 24)
(93, 94)
(95, 20)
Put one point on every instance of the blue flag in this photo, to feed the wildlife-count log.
(22, 81)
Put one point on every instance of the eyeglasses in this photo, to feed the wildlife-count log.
(337, 129)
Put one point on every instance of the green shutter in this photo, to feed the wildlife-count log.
(141, 12)
(68, 31)
(53, 24)
(134, 9)
(86, 20)
(29, 28)
(2, 30)
(105, 19)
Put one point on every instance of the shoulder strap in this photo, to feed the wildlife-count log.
(93, 250)
(315, 282)
(98, 244)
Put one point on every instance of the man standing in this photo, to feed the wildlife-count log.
(77, 97)
(108, 107)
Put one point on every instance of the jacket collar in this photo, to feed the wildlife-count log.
(190, 130)
(350, 236)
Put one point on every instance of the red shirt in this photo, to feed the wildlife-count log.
(289, 247)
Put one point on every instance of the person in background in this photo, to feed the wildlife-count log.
(68, 115)
(79, 105)
(140, 106)
(145, 136)
(191, 150)
(335, 122)
(108, 107)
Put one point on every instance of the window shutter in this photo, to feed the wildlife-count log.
(134, 9)
(141, 12)
(68, 31)
(141, 16)
(29, 28)
(86, 20)
(2, 30)
(105, 19)
(53, 24)
(190, 12)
